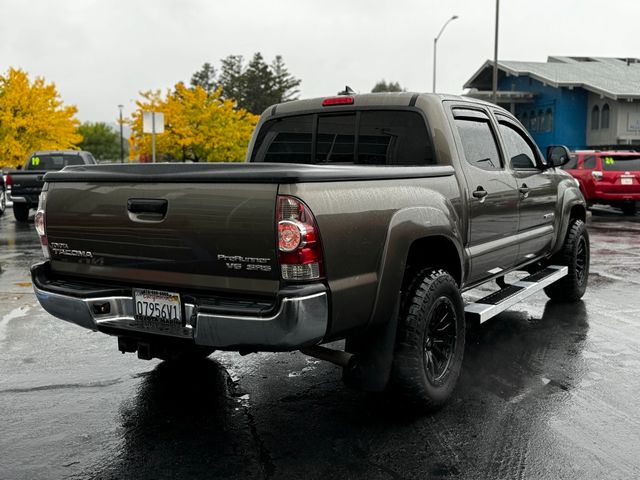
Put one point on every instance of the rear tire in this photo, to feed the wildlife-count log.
(575, 255)
(21, 212)
(3, 201)
(430, 340)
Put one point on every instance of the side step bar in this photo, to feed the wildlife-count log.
(499, 301)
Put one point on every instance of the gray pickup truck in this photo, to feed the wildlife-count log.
(359, 217)
(26, 184)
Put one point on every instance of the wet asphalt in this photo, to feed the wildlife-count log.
(547, 391)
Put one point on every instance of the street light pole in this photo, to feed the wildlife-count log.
(494, 93)
(435, 49)
(121, 137)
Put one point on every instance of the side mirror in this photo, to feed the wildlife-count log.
(557, 155)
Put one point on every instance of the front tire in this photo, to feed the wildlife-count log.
(575, 254)
(21, 212)
(430, 340)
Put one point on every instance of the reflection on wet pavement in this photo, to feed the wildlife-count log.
(548, 390)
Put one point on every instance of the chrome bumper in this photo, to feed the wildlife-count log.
(299, 321)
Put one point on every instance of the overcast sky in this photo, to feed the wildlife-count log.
(101, 53)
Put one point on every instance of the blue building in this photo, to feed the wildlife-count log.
(581, 102)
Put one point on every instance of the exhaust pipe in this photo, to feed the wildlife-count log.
(337, 357)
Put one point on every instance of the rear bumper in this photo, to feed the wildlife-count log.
(616, 196)
(300, 318)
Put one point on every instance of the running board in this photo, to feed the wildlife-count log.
(499, 301)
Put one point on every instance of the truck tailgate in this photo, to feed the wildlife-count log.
(209, 236)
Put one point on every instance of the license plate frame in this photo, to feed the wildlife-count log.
(157, 307)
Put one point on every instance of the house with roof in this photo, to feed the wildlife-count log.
(581, 102)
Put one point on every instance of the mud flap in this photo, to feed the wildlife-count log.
(373, 356)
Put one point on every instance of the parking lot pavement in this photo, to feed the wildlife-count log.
(547, 391)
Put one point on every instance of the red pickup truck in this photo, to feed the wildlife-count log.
(608, 177)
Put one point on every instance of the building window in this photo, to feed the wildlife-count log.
(595, 117)
(604, 118)
(541, 125)
(549, 120)
(534, 121)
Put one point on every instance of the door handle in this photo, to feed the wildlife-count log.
(479, 193)
(147, 205)
(524, 190)
(147, 209)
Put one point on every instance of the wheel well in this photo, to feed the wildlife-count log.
(436, 252)
(578, 212)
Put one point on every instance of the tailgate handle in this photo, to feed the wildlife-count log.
(148, 205)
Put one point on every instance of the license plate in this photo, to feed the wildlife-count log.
(162, 308)
(626, 181)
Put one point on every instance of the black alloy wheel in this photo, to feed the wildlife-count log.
(440, 340)
(582, 257)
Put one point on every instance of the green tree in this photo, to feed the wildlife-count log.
(101, 140)
(33, 117)
(231, 78)
(383, 86)
(205, 78)
(256, 85)
(286, 85)
(259, 86)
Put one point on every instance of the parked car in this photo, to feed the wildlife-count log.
(608, 178)
(26, 184)
(358, 217)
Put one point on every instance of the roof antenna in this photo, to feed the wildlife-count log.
(347, 91)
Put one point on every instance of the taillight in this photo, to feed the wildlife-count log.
(40, 224)
(8, 180)
(597, 175)
(299, 248)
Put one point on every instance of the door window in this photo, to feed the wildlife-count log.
(519, 152)
(478, 141)
(589, 162)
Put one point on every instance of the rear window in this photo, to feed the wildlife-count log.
(620, 163)
(386, 137)
(53, 162)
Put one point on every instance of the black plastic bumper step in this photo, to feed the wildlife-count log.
(499, 301)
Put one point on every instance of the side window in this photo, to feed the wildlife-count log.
(519, 151)
(478, 142)
(589, 162)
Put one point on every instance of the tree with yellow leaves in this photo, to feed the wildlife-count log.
(199, 126)
(33, 117)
